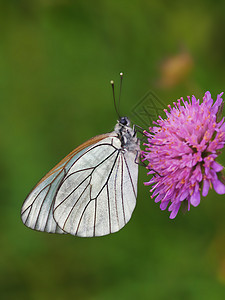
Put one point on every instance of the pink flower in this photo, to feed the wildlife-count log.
(181, 153)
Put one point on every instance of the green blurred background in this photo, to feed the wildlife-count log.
(56, 61)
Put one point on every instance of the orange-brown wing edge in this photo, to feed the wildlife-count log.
(84, 145)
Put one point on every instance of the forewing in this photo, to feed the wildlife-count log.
(98, 194)
(37, 209)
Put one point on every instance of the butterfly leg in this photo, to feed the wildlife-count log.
(137, 128)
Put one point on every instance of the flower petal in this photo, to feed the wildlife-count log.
(208, 98)
(175, 211)
(205, 188)
(217, 167)
(163, 205)
(195, 197)
(219, 187)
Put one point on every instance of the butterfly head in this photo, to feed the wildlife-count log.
(122, 126)
(124, 121)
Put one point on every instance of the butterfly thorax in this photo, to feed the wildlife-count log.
(127, 135)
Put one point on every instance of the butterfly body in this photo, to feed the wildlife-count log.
(92, 191)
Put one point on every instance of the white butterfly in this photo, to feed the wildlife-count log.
(92, 191)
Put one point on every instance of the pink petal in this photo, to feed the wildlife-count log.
(195, 197)
(147, 183)
(217, 167)
(223, 127)
(175, 211)
(163, 205)
(184, 195)
(208, 98)
(216, 106)
(159, 197)
(219, 187)
(205, 188)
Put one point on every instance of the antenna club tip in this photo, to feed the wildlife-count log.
(111, 82)
(121, 73)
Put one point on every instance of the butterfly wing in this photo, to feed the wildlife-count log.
(37, 209)
(98, 193)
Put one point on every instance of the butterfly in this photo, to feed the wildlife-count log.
(92, 191)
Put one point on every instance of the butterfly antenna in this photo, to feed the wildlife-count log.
(121, 80)
(114, 98)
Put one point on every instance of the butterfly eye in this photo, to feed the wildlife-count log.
(124, 121)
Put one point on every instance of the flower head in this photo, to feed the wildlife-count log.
(181, 153)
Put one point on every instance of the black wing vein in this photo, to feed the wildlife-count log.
(106, 184)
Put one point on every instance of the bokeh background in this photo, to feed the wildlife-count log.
(56, 61)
